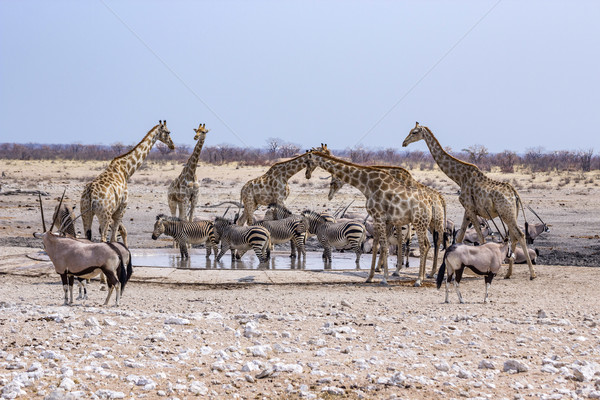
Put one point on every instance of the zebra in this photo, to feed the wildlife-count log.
(186, 232)
(278, 211)
(338, 234)
(64, 217)
(291, 229)
(234, 237)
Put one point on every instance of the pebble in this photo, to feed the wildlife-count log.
(515, 366)
(177, 321)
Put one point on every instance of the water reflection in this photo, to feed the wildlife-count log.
(280, 260)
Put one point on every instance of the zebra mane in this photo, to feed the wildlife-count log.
(168, 218)
(314, 214)
(280, 207)
(221, 219)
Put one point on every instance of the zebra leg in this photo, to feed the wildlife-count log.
(358, 251)
(183, 249)
(299, 242)
(224, 249)
(292, 249)
(326, 256)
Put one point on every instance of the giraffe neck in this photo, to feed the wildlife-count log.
(129, 162)
(351, 174)
(189, 170)
(287, 169)
(455, 169)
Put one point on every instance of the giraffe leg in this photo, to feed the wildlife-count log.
(436, 248)
(475, 222)
(172, 206)
(193, 202)
(381, 234)
(400, 252)
(424, 246)
(517, 236)
(463, 229)
(373, 257)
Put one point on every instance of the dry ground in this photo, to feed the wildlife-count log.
(536, 339)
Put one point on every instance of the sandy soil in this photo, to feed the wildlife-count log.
(536, 339)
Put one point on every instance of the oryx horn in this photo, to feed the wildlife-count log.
(531, 209)
(346, 209)
(42, 210)
(494, 222)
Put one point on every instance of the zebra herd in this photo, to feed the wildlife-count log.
(279, 226)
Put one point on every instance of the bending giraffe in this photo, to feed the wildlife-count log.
(106, 196)
(479, 195)
(388, 202)
(438, 205)
(183, 191)
(271, 187)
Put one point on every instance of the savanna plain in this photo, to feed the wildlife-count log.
(297, 334)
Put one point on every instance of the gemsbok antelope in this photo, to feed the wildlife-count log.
(485, 260)
(79, 258)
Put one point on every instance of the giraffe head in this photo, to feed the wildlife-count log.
(309, 160)
(201, 129)
(414, 135)
(335, 185)
(164, 134)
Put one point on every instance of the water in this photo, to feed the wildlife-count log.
(171, 258)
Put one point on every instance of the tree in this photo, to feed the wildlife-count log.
(273, 145)
(585, 157)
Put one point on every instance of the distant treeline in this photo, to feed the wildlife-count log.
(534, 160)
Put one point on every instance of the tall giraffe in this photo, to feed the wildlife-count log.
(183, 191)
(479, 195)
(106, 196)
(388, 202)
(271, 187)
(438, 205)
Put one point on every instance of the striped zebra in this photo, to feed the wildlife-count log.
(64, 218)
(186, 232)
(290, 229)
(234, 237)
(278, 211)
(336, 234)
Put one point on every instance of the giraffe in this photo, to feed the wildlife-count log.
(106, 196)
(479, 195)
(438, 205)
(388, 202)
(271, 187)
(183, 191)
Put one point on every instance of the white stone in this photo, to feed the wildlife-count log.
(251, 330)
(442, 366)
(157, 337)
(487, 364)
(177, 321)
(198, 388)
(91, 321)
(583, 373)
(67, 384)
(294, 368)
(333, 390)
(259, 350)
(515, 365)
(109, 394)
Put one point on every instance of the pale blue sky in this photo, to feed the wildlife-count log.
(340, 72)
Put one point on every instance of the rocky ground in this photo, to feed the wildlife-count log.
(536, 339)
(301, 339)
